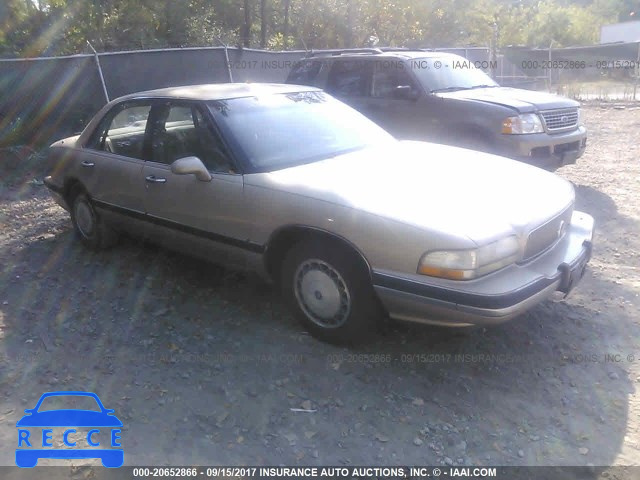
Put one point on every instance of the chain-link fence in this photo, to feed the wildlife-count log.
(48, 98)
(608, 72)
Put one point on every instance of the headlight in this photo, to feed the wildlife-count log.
(469, 264)
(524, 123)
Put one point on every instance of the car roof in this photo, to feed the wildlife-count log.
(219, 91)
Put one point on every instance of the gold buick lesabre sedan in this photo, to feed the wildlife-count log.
(351, 224)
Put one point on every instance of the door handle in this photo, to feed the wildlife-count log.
(154, 179)
(87, 164)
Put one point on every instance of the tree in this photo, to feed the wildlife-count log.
(55, 27)
(246, 30)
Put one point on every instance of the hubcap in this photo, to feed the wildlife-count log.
(322, 293)
(84, 218)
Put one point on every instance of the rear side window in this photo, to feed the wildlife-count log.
(122, 132)
(134, 116)
(349, 78)
(304, 72)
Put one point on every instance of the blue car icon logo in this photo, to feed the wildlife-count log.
(99, 422)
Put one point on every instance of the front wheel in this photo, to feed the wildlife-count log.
(330, 292)
(89, 226)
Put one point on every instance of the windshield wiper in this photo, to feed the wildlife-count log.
(485, 86)
(449, 89)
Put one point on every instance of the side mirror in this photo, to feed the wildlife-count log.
(191, 165)
(406, 92)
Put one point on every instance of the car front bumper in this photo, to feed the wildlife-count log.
(494, 298)
(546, 150)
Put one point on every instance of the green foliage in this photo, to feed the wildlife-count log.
(56, 27)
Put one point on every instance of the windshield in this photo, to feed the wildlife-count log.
(438, 74)
(276, 131)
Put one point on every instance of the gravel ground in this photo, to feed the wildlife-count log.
(205, 366)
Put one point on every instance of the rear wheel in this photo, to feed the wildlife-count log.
(89, 226)
(330, 292)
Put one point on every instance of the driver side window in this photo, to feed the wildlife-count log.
(181, 130)
(388, 77)
(212, 150)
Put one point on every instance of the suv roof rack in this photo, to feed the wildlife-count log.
(340, 51)
(398, 49)
(365, 50)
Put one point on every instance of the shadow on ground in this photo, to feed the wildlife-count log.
(204, 366)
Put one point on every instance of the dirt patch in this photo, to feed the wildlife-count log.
(205, 366)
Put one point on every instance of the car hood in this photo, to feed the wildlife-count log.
(524, 101)
(433, 187)
(69, 418)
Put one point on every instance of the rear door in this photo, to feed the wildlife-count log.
(113, 158)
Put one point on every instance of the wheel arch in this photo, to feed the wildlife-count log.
(472, 135)
(285, 237)
(474, 129)
(71, 184)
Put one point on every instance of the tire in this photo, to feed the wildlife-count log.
(330, 292)
(88, 225)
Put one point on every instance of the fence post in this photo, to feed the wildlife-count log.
(97, 59)
(226, 58)
(549, 66)
(637, 79)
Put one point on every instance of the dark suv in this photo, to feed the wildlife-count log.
(444, 98)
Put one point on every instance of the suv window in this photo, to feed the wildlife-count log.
(349, 78)
(122, 131)
(305, 72)
(388, 77)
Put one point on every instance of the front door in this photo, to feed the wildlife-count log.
(191, 215)
(396, 102)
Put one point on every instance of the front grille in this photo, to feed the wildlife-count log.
(547, 234)
(560, 119)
